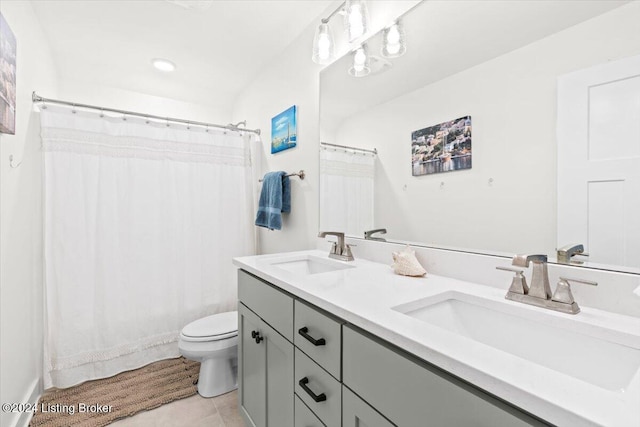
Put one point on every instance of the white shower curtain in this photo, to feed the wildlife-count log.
(141, 223)
(346, 190)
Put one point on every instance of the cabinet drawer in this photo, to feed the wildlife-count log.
(312, 325)
(304, 417)
(421, 391)
(318, 383)
(271, 304)
(356, 412)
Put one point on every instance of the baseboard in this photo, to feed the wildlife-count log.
(31, 396)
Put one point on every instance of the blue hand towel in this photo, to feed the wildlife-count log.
(275, 198)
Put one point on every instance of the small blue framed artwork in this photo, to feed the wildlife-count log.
(284, 130)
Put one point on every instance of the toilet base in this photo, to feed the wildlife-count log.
(217, 376)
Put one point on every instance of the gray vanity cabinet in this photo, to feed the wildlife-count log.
(410, 392)
(252, 365)
(304, 417)
(265, 356)
(356, 412)
(325, 373)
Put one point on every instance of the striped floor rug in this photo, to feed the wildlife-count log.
(100, 402)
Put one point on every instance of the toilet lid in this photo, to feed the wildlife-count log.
(211, 326)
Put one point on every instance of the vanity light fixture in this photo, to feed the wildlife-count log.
(355, 23)
(360, 65)
(355, 19)
(393, 41)
(323, 46)
(163, 65)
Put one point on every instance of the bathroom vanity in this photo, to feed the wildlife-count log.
(331, 343)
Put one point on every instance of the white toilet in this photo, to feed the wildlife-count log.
(213, 341)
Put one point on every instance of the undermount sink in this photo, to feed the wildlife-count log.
(309, 264)
(561, 344)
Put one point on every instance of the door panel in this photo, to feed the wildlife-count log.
(279, 369)
(599, 161)
(251, 369)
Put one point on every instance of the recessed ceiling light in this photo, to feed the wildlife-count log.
(163, 65)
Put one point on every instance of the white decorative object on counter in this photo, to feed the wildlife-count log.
(406, 263)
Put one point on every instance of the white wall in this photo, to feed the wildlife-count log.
(293, 79)
(21, 287)
(88, 92)
(512, 101)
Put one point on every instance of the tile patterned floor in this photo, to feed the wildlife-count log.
(194, 411)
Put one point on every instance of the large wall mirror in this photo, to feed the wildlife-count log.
(499, 66)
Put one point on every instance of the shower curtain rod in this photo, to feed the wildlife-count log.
(374, 151)
(37, 98)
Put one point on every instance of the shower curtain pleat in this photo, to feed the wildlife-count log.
(347, 191)
(141, 223)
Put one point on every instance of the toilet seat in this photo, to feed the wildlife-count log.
(212, 328)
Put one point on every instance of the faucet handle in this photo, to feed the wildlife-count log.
(563, 289)
(347, 252)
(518, 283)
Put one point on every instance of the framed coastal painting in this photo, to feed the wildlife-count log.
(7, 78)
(444, 147)
(284, 130)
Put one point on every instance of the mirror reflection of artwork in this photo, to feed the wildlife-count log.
(7, 78)
(442, 148)
(284, 134)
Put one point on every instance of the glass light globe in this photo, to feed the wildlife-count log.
(393, 36)
(355, 19)
(360, 65)
(393, 41)
(323, 46)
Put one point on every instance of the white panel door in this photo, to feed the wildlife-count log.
(599, 161)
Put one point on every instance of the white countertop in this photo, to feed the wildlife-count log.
(364, 296)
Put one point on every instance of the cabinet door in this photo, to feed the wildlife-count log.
(252, 370)
(423, 394)
(279, 373)
(356, 413)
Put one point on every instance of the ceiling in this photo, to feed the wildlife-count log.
(219, 46)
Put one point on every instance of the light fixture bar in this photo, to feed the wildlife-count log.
(328, 18)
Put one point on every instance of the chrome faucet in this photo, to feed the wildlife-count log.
(539, 294)
(339, 250)
(368, 235)
(539, 278)
(565, 253)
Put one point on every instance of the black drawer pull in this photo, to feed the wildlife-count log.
(316, 397)
(312, 340)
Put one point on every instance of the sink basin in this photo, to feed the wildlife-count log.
(573, 348)
(309, 264)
